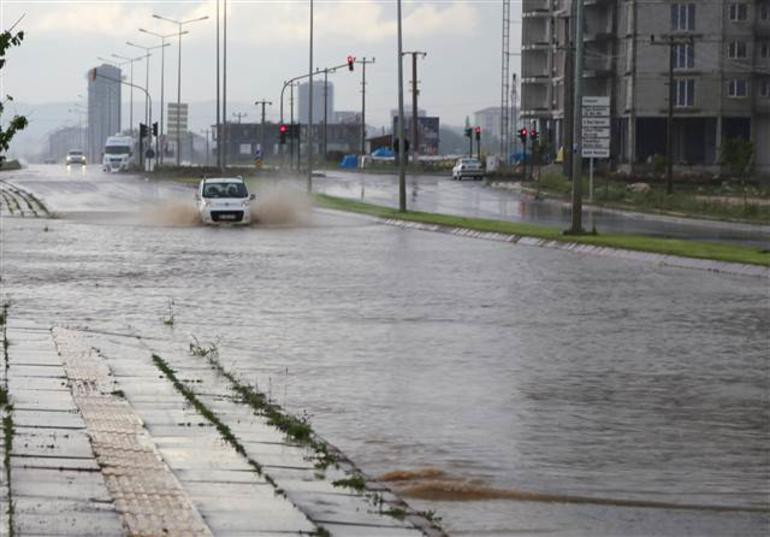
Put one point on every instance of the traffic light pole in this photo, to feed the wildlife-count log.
(401, 141)
(291, 81)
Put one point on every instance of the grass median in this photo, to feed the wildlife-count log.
(678, 247)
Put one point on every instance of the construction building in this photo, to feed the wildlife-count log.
(720, 56)
(103, 108)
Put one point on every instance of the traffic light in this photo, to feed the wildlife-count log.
(533, 134)
(478, 133)
(142, 130)
(523, 135)
(469, 132)
(351, 61)
(155, 129)
(282, 130)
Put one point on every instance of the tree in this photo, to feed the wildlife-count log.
(9, 39)
(737, 156)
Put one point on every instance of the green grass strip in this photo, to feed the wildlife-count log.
(678, 247)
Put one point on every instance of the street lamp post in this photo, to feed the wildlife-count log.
(163, 38)
(179, 75)
(310, 110)
(130, 61)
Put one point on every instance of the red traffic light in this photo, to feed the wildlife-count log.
(282, 129)
(523, 133)
(478, 130)
(351, 61)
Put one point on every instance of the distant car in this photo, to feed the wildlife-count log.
(224, 201)
(75, 157)
(467, 167)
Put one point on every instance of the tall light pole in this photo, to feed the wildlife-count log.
(147, 76)
(162, 76)
(131, 79)
(401, 141)
(310, 110)
(179, 33)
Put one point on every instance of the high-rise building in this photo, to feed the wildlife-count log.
(103, 108)
(318, 101)
(720, 51)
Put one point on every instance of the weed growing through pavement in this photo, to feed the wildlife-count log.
(296, 428)
(170, 317)
(356, 482)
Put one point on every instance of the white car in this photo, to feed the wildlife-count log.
(224, 201)
(75, 157)
(467, 167)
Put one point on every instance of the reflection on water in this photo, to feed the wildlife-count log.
(559, 392)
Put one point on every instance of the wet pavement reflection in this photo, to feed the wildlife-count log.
(435, 193)
(485, 372)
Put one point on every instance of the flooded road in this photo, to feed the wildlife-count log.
(436, 193)
(513, 390)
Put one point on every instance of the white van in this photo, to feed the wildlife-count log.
(118, 153)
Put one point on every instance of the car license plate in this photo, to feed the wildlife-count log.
(227, 217)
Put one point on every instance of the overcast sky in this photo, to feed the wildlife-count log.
(268, 43)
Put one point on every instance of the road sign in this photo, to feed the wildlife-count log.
(595, 121)
(177, 119)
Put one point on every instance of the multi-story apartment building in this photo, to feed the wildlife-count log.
(103, 109)
(721, 64)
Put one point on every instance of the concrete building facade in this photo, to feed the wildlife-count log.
(489, 121)
(103, 109)
(318, 101)
(721, 63)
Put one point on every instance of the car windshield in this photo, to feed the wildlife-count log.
(470, 161)
(117, 149)
(76, 153)
(225, 190)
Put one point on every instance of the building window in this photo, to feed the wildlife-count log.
(764, 49)
(764, 11)
(737, 88)
(739, 12)
(682, 17)
(736, 49)
(684, 56)
(684, 93)
(764, 88)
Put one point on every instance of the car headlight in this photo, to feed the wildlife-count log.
(206, 203)
(245, 203)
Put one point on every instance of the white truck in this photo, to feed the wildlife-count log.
(118, 153)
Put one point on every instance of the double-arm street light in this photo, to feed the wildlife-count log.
(131, 79)
(179, 75)
(163, 38)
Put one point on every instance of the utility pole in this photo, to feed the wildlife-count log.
(263, 103)
(401, 140)
(326, 108)
(577, 145)
(504, 105)
(364, 63)
(224, 84)
(672, 41)
(240, 115)
(310, 110)
(415, 93)
(219, 130)
(291, 129)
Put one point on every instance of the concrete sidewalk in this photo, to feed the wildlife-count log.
(105, 445)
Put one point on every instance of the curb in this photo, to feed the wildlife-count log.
(649, 257)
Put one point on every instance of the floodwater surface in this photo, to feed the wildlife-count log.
(513, 390)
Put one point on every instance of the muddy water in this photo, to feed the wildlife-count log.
(513, 390)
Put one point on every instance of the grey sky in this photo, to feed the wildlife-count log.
(267, 43)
